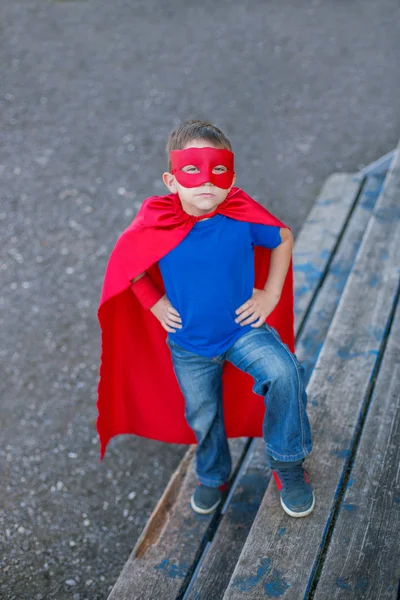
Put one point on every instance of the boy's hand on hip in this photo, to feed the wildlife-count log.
(167, 315)
(257, 309)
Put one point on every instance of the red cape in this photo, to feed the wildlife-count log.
(138, 392)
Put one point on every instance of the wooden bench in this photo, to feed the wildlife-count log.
(346, 263)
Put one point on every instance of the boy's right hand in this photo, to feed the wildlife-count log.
(167, 315)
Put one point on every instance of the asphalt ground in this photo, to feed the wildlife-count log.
(88, 94)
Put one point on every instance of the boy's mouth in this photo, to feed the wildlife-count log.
(206, 195)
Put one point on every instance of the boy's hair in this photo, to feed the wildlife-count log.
(196, 130)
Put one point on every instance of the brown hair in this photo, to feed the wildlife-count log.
(196, 130)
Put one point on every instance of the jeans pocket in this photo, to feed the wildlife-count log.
(268, 327)
(171, 343)
(179, 352)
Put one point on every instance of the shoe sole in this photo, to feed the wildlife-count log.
(298, 514)
(203, 511)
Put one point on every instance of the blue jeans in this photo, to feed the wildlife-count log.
(278, 376)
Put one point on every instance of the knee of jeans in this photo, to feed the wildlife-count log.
(201, 420)
(284, 371)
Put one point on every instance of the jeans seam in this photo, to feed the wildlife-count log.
(299, 401)
(210, 482)
(217, 359)
(305, 451)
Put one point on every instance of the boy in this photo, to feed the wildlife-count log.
(195, 256)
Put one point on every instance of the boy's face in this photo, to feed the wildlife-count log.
(202, 199)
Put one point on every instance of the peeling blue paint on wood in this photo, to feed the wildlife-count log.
(325, 254)
(341, 453)
(374, 280)
(376, 332)
(371, 192)
(326, 202)
(312, 348)
(383, 254)
(245, 583)
(301, 291)
(342, 584)
(312, 273)
(346, 354)
(277, 586)
(171, 570)
(388, 214)
(361, 583)
(349, 507)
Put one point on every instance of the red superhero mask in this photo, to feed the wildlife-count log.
(206, 160)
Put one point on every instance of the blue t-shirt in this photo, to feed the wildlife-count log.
(208, 276)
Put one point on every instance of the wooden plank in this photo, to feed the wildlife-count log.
(379, 166)
(319, 236)
(165, 552)
(162, 559)
(324, 307)
(282, 553)
(154, 526)
(363, 560)
(220, 557)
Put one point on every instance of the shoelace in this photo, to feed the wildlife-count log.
(291, 477)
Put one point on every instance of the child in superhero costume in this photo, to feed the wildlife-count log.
(213, 268)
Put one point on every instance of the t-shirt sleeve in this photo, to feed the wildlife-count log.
(146, 291)
(267, 236)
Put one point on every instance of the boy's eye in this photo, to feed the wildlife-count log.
(190, 169)
(193, 169)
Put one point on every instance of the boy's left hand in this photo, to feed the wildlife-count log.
(257, 309)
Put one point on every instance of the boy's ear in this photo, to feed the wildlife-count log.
(169, 181)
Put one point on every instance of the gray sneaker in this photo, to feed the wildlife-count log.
(293, 483)
(206, 499)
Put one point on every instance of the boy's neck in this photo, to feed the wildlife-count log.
(200, 215)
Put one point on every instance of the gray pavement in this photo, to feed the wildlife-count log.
(88, 93)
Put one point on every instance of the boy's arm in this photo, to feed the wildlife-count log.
(149, 296)
(146, 291)
(262, 303)
(279, 263)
